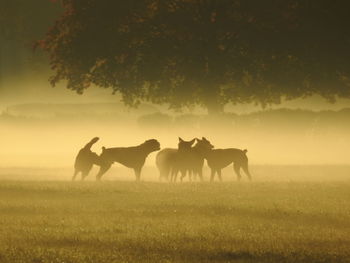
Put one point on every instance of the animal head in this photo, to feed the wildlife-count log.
(103, 149)
(185, 145)
(204, 144)
(152, 145)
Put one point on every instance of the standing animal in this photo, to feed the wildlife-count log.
(168, 158)
(164, 162)
(183, 159)
(85, 160)
(132, 157)
(197, 156)
(220, 158)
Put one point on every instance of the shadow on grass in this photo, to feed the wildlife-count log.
(117, 254)
(175, 250)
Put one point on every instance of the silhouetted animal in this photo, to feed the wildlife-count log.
(164, 162)
(183, 159)
(85, 160)
(132, 157)
(220, 158)
(168, 157)
(196, 158)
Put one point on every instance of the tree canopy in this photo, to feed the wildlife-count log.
(203, 52)
(21, 23)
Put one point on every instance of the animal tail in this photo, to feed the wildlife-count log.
(94, 140)
(91, 142)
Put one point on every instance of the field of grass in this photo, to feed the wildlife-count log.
(122, 221)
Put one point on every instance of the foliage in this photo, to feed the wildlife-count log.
(25, 21)
(22, 22)
(205, 52)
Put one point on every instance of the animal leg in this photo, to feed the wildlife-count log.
(200, 174)
(75, 174)
(85, 172)
(138, 173)
(103, 169)
(190, 173)
(219, 174)
(171, 175)
(174, 175)
(83, 175)
(160, 174)
(212, 174)
(237, 168)
(183, 174)
(246, 171)
(194, 175)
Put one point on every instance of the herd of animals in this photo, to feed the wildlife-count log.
(187, 159)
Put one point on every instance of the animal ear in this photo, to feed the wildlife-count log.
(198, 140)
(180, 140)
(193, 141)
(204, 139)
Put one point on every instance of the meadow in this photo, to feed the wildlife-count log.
(287, 214)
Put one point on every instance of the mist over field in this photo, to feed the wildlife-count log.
(45, 127)
(46, 135)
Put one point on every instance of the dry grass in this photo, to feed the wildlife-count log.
(263, 221)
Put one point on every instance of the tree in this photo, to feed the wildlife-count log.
(21, 23)
(204, 52)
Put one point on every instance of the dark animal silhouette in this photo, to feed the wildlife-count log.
(168, 158)
(85, 160)
(196, 158)
(132, 157)
(183, 159)
(220, 158)
(164, 162)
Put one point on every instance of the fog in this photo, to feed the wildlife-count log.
(44, 127)
(47, 135)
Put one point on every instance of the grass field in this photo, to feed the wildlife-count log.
(122, 221)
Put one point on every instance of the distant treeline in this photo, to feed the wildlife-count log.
(149, 117)
(270, 119)
(46, 110)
